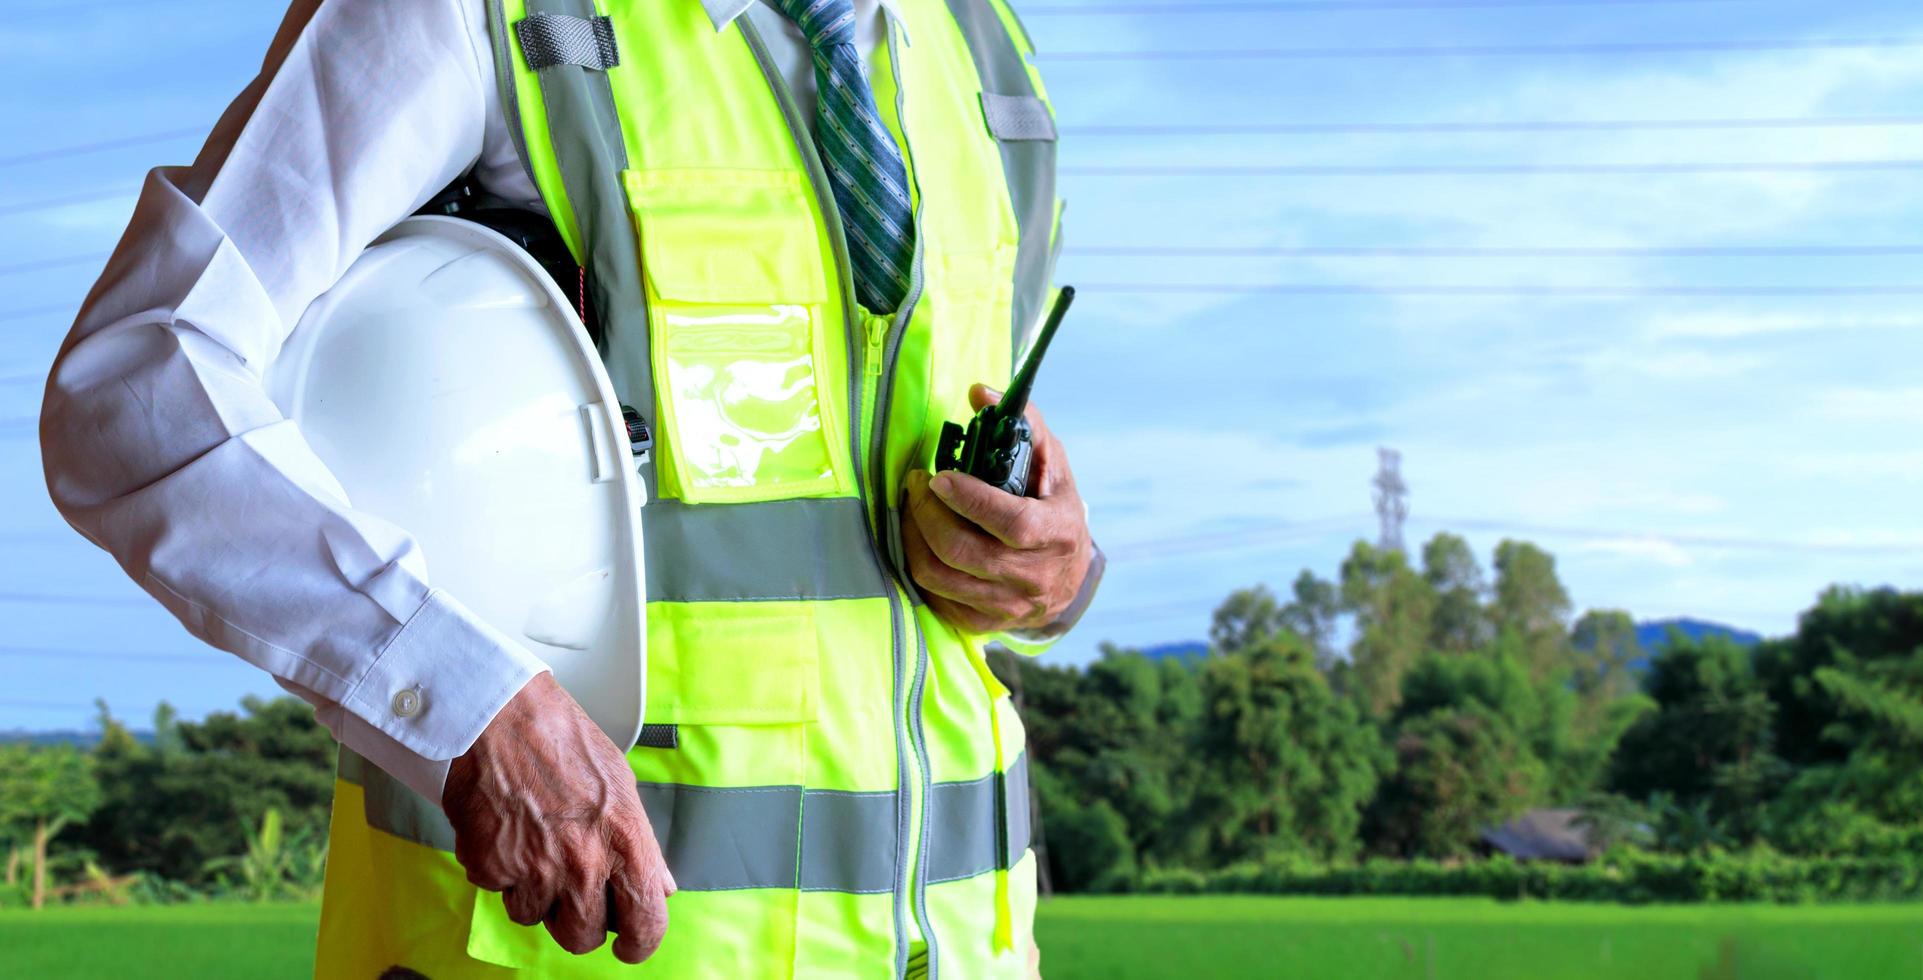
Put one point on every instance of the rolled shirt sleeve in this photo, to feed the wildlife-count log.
(161, 445)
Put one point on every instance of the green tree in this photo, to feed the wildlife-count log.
(275, 865)
(1709, 743)
(1848, 628)
(1248, 617)
(195, 797)
(1460, 623)
(1457, 771)
(1604, 684)
(1392, 606)
(1311, 614)
(1117, 734)
(1606, 651)
(1532, 604)
(1289, 764)
(42, 791)
(1848, 693)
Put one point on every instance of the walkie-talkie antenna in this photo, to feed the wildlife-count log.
(1015, 400)
(998, 447)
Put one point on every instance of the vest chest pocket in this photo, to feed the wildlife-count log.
(737, 297)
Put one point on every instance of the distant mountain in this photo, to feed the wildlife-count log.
(84, 740)
(1654, 634)
(1186, 650)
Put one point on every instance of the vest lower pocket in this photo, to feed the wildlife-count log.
(737, 296)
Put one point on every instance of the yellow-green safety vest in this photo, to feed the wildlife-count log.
(836, 778)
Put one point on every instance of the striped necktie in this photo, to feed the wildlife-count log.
(864, 166)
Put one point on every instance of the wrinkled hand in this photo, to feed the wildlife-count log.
(545, 812)
(990, 561)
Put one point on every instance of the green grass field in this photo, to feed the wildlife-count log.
(1348, 939)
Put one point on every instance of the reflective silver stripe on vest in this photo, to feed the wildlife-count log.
(1020, 830)
(392, 808)
(1027, 163)
(509, 94)
(722, 838)
(848, 841)
(810, 548)
(586, 134)
(980, 825)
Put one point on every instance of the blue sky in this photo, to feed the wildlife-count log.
(1725, 453)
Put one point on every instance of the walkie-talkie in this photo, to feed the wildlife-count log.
(997, 447)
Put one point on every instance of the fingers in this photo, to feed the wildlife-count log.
(958, 543)
(966, 617)
(1012, 520)
(1010, 598)
(579, 919)
(1050, 476)
(528, 902)
(638, 912)
(981, 396)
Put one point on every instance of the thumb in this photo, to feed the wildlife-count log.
(989, 508)
(981, 396)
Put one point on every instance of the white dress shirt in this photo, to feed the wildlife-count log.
(161, 445)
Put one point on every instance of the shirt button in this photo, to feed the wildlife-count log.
(407, 703)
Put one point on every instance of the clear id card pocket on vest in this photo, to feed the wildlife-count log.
(737, 294)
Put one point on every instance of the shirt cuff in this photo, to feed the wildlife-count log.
(428, 777)
(1044, 635)
(439, 683)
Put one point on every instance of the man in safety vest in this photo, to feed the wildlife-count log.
(809, 230)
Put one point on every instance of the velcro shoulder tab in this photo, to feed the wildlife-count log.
(558, 39)
(659, 737)
(1018, 117)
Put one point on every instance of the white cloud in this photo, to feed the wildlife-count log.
(1645, 549)
(1877, 405)
(1731, 324)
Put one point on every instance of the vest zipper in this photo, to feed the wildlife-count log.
(877, 338)
(911, 804)
(916, 278)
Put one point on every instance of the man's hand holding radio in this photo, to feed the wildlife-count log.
(989, 561)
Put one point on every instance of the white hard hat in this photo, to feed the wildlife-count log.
(449, 386)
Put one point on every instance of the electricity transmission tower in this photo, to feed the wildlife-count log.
(1391, 498)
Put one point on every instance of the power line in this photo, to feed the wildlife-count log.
(62, 152)
(1500, 169)
(1491, 291)
(31, 704)
(49, 203)
(1154, 612)
(1512, 126)
(1490, 252)
(1350, 52)
(1267, 533)
(118, 656)
(38, 598)
(35, 311)
(35, 537)
(1321, 6)
(1913, 549)
(1228, 540)
(44, 705)
(59, 263)
(1268, 170)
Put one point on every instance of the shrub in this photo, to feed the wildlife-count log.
(1757, 875)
